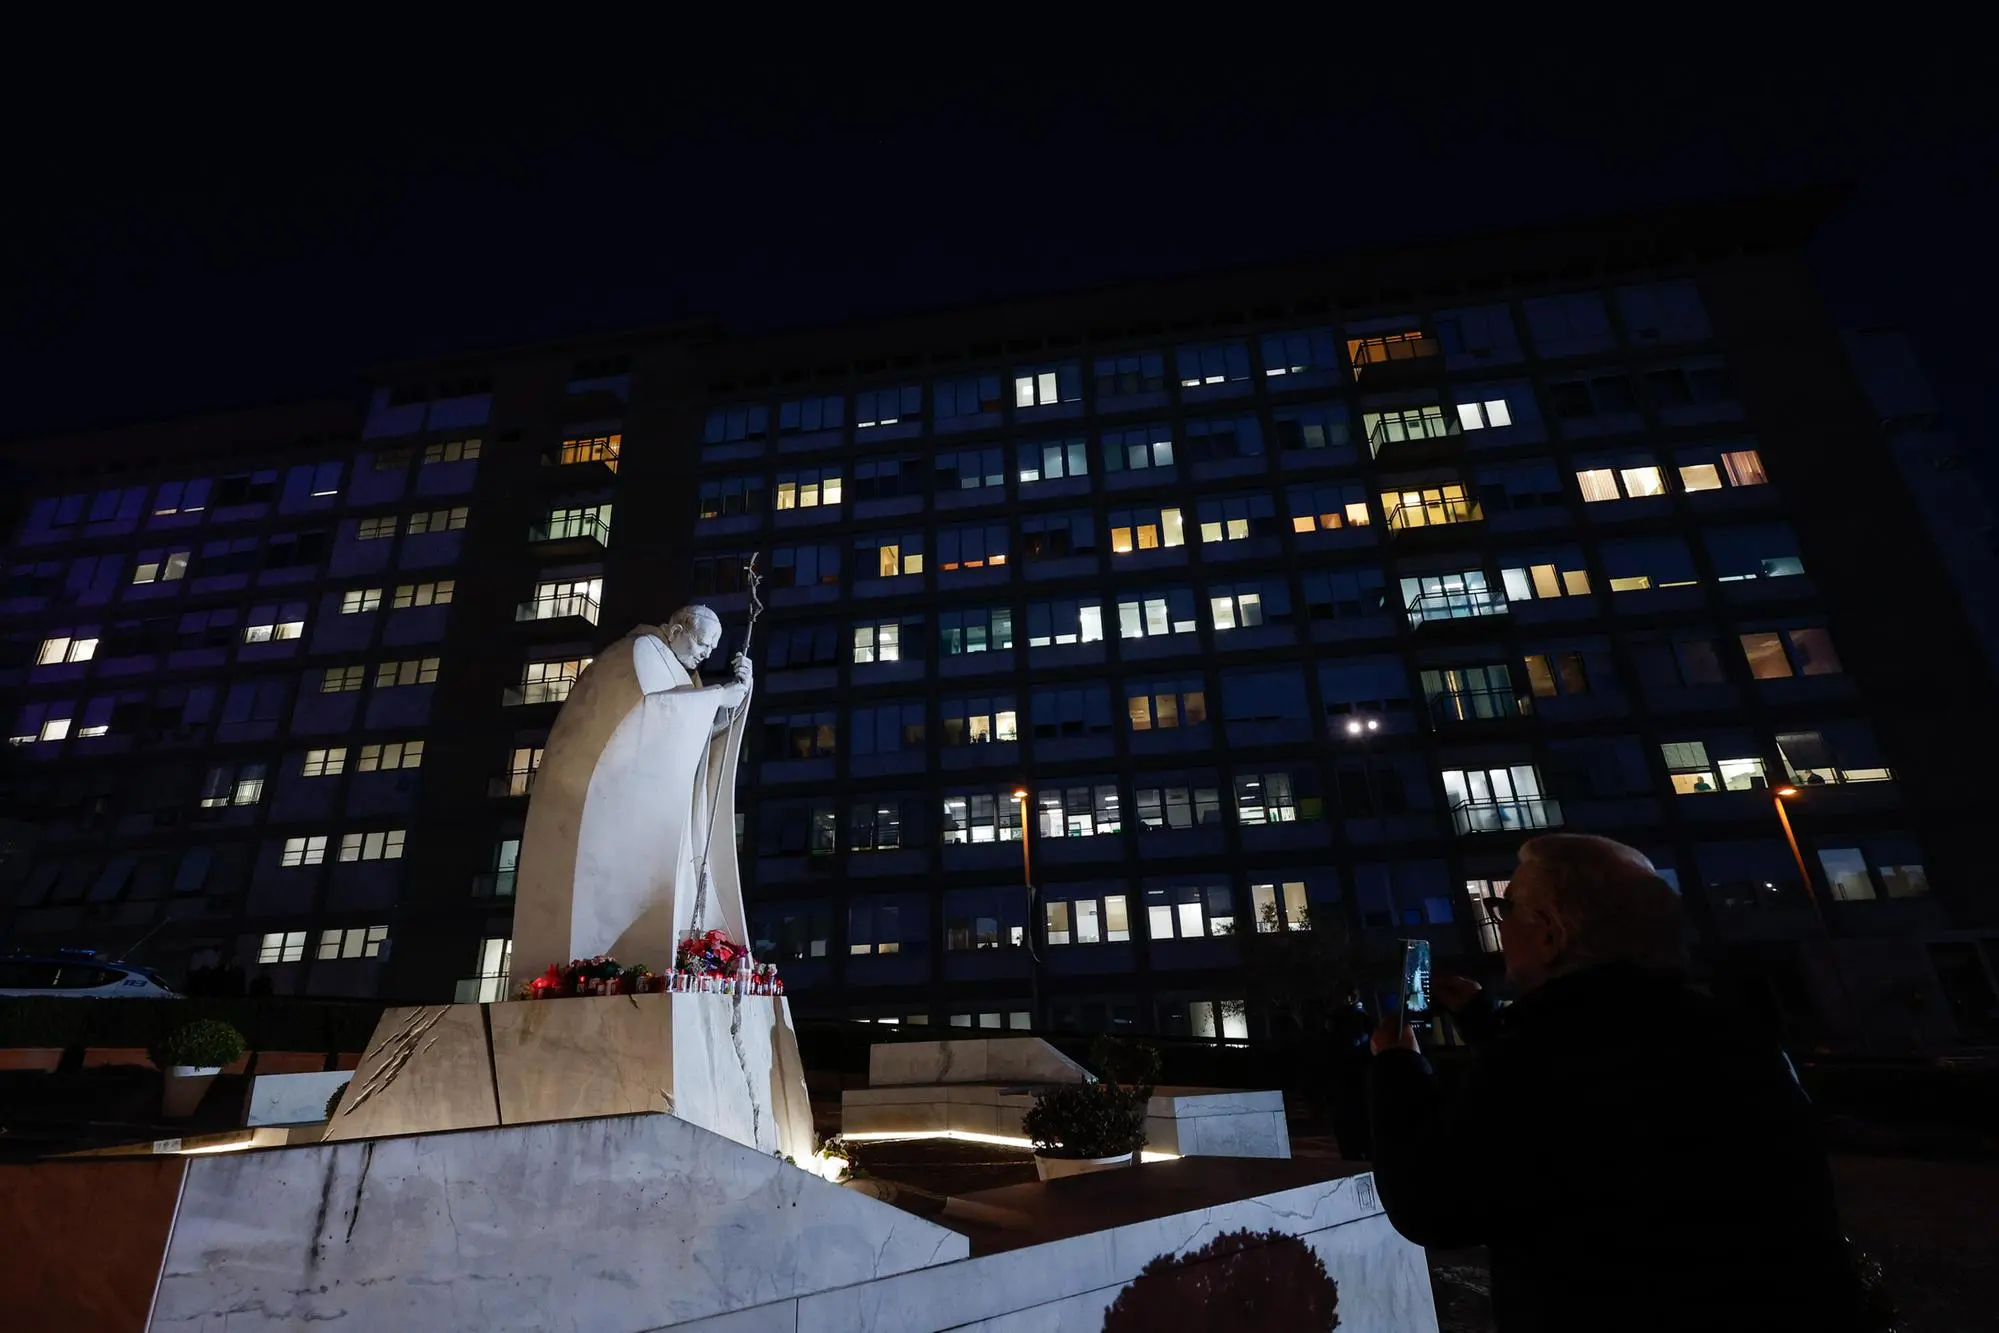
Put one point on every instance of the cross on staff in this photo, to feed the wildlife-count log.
(752, 581)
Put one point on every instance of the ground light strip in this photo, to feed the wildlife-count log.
(970, 1136)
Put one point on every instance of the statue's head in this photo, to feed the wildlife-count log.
(692, 633)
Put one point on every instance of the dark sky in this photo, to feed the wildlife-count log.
(209, 230)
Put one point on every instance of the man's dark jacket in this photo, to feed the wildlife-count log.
(1632, 1158)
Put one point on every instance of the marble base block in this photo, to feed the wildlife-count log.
(727, 1064)
(616, 1225)
(292, 1099)
(1214, 1122)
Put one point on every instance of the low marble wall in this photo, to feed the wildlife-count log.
(959, 1108)
(1213, 1122)
(292, 1099)
(1188, 1122)
(616, 1225)
(971, 1060)
(1065, 1286)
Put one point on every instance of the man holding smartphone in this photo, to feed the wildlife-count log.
(1629, 1153)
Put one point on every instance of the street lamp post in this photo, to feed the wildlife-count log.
(1027, 881)
(1853, 1017)
(1777, 796)
(1359, 729)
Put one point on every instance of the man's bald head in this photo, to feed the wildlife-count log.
(1577, 901)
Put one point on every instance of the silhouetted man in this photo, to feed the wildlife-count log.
(1632, 1155)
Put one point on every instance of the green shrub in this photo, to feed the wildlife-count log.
(333, 1100)
(1133, 1064)
(203, 1043)
(1086, 1120)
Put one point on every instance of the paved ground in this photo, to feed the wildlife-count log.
(1934, 1226)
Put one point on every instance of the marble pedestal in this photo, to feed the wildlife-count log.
(636, 1224)
(618, 1225)
(728, 1064)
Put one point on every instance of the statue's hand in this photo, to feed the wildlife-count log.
(737, 689)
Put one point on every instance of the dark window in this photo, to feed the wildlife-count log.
(802, 646)
(292, 550)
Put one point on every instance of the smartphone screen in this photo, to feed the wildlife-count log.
(1416, 980)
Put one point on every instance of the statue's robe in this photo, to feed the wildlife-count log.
(611, 859)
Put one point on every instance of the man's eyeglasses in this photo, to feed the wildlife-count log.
(1503, 907)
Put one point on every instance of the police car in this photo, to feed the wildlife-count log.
(81, 975)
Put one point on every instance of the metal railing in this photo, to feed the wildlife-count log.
(1377, 358)
(575, 452)
(494, 884)
(538, 692)
(581, 528)
(1404, 434)
(1436, 606)
(1455, 708)
(481, 990)
(510, 785)
(1526, 812)
(1434, 514)
(559, 606)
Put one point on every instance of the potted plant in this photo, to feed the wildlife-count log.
(191, 1056)
(1082, 1127)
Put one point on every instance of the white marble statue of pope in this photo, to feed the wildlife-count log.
(639, 767)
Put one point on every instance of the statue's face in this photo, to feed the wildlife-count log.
(693, 641)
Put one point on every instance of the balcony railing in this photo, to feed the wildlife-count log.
(1413, 438)
(537, 692)
(1471, 706)
(481, 990)
(1530, 812)
(559, 606)
(1433, 607)
(1407, 518)
(1397, 358)
(509, 785)
(581, 533)
(493, 884)
(582, 461)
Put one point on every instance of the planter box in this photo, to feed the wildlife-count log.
(291, 1062)
(97, 1057)
(1054, 1168)
(37, 1059)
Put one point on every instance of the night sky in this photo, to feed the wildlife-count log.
(203, 232)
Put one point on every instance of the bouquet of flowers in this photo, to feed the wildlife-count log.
(712, 963)
(601, 975)
(711, 955)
